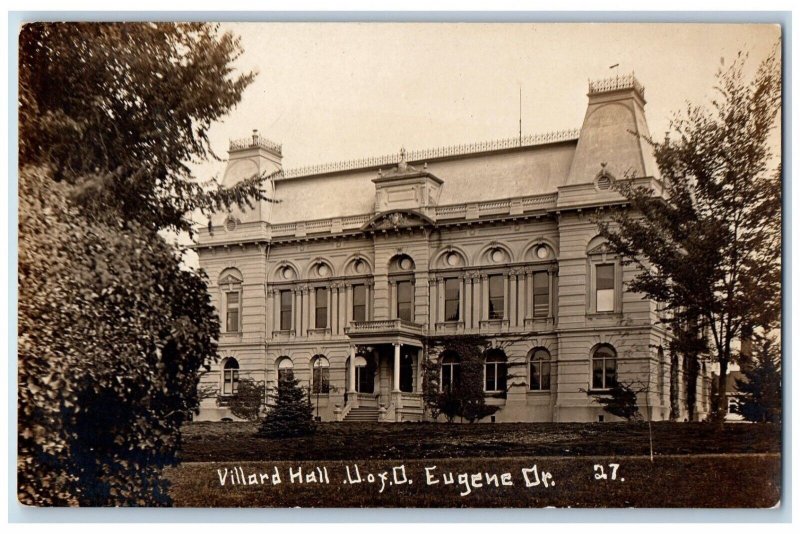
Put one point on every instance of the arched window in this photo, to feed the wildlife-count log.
(451, 366)
(230, 376)
(285, 369)
(604, 367)
(496, 371)
(539, 370)
(320, 374)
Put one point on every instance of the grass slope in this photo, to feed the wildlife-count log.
(355, 441)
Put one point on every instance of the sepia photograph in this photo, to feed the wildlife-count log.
(399, 265)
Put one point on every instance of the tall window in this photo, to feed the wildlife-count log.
(360, 302)
(604, 282)
(452, 296)
(540, 370)
(405, 300)
(541, 295)
(320, 375)
(496, 296)
(496, 371)
(604, 367)
(450, 371)
(232, 299)
(321, 307)
(286, 309)
(285, 370)
(230, 377)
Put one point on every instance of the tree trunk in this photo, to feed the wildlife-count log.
(674, 384)
(722, 400)
(692, 371)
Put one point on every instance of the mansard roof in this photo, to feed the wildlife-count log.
(470, 173)
(456, 178)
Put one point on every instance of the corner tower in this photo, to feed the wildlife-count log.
(610, 141)
(249, 157)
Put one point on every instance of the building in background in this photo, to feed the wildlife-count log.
(350, 270)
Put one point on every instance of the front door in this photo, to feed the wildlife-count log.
(406, 373)
(365, 374)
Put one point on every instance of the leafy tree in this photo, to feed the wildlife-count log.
(291, 412)
(113, 328)
(249, 400)
(112, 334)
(760, 389)
(466, 397)
(120, 109)
(709, 247)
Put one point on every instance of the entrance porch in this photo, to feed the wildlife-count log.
(383, 383)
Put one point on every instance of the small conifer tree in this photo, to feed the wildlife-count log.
(760, 388)
(291, 411)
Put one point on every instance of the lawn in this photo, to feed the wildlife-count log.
(203, 442)
(695, 465)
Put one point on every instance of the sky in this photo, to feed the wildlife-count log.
(332, 91)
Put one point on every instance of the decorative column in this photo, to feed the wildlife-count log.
(369, 313)
(392, 299)
(528, 294)
(396, 374)
(311, 301)
(512, 298)
(461, 297)
(506, 296)
(348, 305)
(298, 306)
(268, 309)
(467, 301)
(342, 309)
(484, 297)
(302, 311)
(552, 280)
(331, 289)
(439, 299)
(432, 304)
(351, 390)
(276, 307)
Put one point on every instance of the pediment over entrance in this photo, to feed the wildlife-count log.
(398, 219)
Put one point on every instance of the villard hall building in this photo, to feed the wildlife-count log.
(352, 269)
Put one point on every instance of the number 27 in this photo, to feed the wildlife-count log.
(600, 474)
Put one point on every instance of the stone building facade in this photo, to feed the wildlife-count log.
(350, 271)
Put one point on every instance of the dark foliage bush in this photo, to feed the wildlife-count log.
(249, 400)
(620, 400)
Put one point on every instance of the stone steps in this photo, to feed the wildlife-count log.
(362, 413)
